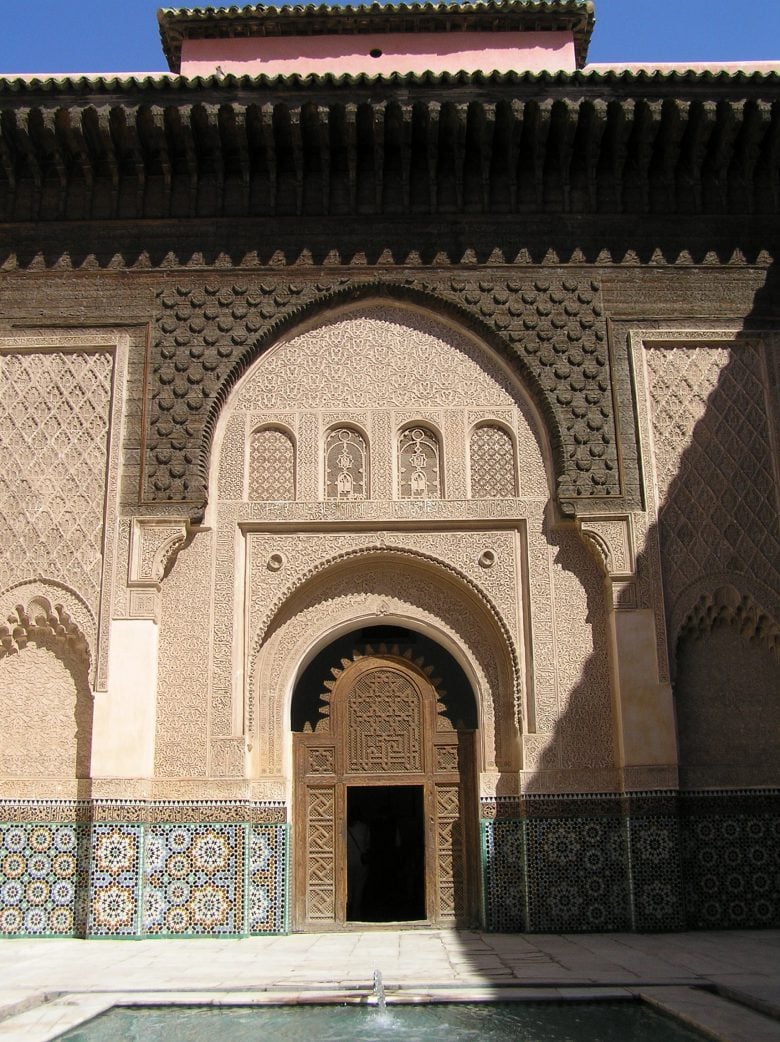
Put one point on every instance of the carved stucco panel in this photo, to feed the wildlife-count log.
(713, 470)
(543, 693)
(332, 604)
(153, 542)
(308, 456)
(183, 672)
(120, 608)
(466, 551)
(383, 356)
(59, 485)
(226, 629)
(454, 455)
(382, 455)
(230, 484)
(611, 539)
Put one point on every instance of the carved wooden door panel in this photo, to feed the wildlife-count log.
(383, 725)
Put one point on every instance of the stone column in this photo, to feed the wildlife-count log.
(644, 708)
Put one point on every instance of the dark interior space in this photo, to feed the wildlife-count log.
(385, 853)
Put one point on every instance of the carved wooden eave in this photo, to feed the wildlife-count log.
(259, 20)
(580, 144)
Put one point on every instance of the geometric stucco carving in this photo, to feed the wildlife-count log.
(550, 327)
(153, 542)
(726, 606)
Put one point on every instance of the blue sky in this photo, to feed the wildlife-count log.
(121, 35)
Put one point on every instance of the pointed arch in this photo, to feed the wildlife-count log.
(309, 313)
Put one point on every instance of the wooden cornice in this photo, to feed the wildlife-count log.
(248, 148)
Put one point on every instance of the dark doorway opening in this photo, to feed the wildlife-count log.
(385, 853)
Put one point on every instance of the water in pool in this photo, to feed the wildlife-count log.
(490, 1022)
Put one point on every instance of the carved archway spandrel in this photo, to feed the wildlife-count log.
(154, 542)
(526, 320)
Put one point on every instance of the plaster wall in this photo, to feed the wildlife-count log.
(398, 52)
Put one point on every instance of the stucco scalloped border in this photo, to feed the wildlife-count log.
(728, 599)
(68, 615)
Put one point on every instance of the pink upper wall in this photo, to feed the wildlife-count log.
(400, 52)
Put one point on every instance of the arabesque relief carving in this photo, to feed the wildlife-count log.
(551, 327)
(340, 598)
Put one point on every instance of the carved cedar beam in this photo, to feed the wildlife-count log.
(560, 150)
(450, 158)
(768, 174)
(350, 141)
(153, 144)
(102, 144)
(70, 134)
(231, 122)
(719, 156)
(756, 121)
(636, 172)
(663, 186)
(262, 154)
(586, 149)
(701, 123)
(485, 117)
(7, 195)
(15, 130)
(43, 133)
(312, 161)
(534, 155)
(531, 155)
(131, 169)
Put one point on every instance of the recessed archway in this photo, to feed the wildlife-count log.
(385, 791)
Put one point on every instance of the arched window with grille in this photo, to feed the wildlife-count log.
(346, 465)
(492, 463)
(271, 465)
(419, 464)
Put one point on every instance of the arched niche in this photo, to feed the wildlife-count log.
(384, 764)
(727, 663)
(46, 704)
(377, 366)
(388, 588)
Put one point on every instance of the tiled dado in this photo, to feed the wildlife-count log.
(642, 861)
(120, 879)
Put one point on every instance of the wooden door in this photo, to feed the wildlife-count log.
(383, 725)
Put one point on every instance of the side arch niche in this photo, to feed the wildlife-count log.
(46, 704)
(726, 692)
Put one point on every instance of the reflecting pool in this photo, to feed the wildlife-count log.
(454, 1022)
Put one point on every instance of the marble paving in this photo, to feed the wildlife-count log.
(725, 983)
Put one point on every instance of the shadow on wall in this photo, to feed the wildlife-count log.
(48, 712)
(703, 857)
